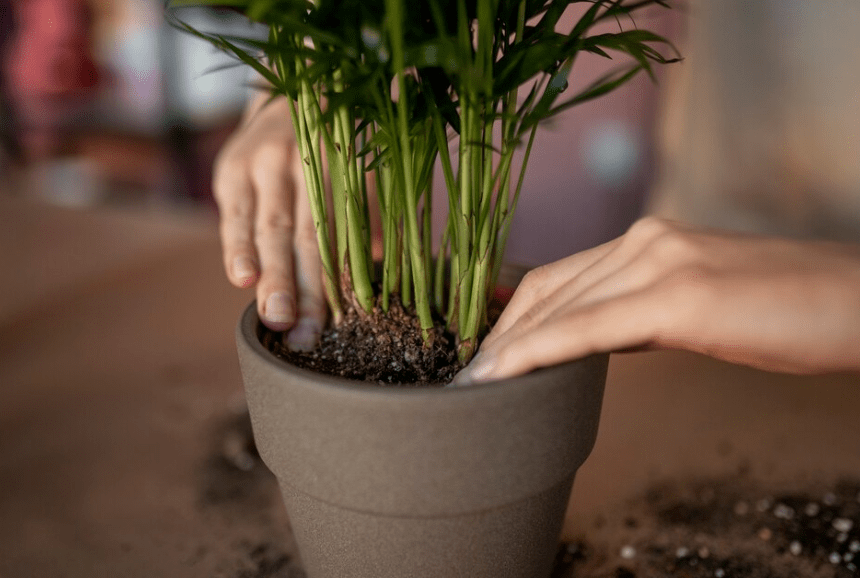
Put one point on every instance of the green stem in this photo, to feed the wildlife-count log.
(419, 278)
(439, 271)
(507, 217)
(316, 193)
(365, 203)
(448, 172)
(311, 163)
(427, 225)
(405, 277)
(358, 250)
(453, 293)
(477, 308)
(464, 211)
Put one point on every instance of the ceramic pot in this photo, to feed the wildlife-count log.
(388, 482)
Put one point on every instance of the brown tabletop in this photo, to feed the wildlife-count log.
(123, 432)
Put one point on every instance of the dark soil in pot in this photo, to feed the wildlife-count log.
(385, 348)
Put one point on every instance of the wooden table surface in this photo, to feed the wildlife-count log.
(118, 373)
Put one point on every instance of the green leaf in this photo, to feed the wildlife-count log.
(555, 86)
(632, 42)
(585, 22)
(603, 85)
(438, 53)
(524, 61)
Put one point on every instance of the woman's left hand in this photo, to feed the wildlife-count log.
(775, 304)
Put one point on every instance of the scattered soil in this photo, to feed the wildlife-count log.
(384, 348)
(726, 529)
(706, 528)
(267, 560)
(233, 473)
(237, 490)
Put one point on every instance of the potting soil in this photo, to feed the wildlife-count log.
(384, 348)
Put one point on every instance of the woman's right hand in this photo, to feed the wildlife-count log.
(267, 232)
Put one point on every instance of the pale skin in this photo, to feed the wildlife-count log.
(770, 303)
(774, 304)
(267, 232)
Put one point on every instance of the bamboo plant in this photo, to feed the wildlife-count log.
(383, 90)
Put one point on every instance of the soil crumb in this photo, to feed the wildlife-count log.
(384, 348)
(233, 473)
(725, 529)
(239, 495)
(692, 528)
(268, 561)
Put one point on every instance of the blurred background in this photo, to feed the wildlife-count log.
(104, 104)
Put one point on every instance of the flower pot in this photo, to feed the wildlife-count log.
(422, 482)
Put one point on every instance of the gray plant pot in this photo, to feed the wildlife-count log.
(425, 482)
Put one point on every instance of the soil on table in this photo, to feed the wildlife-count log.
(236, 488)
(384, 348)
(689, 528)
(726, 528)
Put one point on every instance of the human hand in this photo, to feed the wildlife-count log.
(266, 227)
(774, 304)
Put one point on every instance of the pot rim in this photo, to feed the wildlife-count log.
(247, 332)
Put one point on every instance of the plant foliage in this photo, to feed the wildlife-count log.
(391, 87)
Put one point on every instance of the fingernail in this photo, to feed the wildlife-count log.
(279, 308)
(305, 335)
(243, 267)
(477, 370)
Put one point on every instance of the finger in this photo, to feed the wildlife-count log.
(234, 195)
(308, 271)
(612, 277)
(634, 320)
(644, 254)
(273, 237)
(541, 282)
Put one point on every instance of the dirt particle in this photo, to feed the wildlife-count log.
(812, 509)
(783, 512)
(691, 529)
(628, 552)
(234, 473)
(843, 524)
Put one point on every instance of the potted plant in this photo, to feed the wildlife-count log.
(393, 481)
